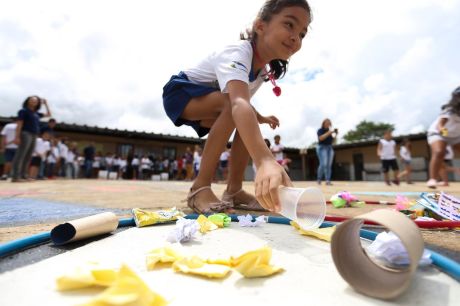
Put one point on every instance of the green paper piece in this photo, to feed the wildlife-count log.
(220, 219)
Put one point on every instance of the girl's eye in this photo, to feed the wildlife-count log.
(290, 25)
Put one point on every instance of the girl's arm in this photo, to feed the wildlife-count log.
(270, 175)
(379, 149)
(48, 112)
(17, 138)
(325, 135)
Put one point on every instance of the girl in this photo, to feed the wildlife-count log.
(27, 129)
(214, 98)
(405, 153)
(325, 151)
(386, 150)
(445, 130)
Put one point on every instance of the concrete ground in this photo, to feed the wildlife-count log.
(121, 196)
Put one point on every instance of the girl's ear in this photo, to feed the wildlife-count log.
(259, 26)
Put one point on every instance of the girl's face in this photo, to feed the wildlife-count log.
(282, 36)
(32, 103)
(327, 124)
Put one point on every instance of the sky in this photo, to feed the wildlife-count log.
(104, 63)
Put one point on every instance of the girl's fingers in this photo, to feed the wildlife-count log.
(266, 195)
(274, 194)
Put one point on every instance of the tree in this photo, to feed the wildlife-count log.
(367, 130)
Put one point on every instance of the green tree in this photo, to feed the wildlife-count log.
(367, 130)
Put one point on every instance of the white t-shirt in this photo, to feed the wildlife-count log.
(224, 156)
(41, 147)
(404, 153)
(9, 132)
(233, 62)
(135, 162)
(70, 158)
(145, 163)
(277, 150)
(388, 149)
(452, 125)
(53, 156)
(63, 149)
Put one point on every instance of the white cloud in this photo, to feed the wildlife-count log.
(105, 62)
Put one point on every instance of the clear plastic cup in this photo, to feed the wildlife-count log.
(306, 206)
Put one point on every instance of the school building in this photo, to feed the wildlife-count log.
(357, 161)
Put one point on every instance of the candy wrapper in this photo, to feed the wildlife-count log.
(346, 199)
(246, 221)
(185, 230)
(220, 219)
(146, 218)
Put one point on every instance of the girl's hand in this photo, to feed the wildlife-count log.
(17, 141)
(270, 120)
(270, 175)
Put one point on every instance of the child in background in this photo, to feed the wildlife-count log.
(386, 150)
(445, 130)
(406, 157)
(447, 166)
(277, 149)
(214, 97)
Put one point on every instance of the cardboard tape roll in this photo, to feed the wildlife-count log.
(84, 228)
(360, 271)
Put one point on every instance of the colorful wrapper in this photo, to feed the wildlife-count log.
(220, 219)
(146, 218)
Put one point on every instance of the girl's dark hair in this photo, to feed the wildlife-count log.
(406, 142)
(454, 104)
(270, 8)
(26, 101)
(324, 122)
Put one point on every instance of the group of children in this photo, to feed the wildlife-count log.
(443, 138)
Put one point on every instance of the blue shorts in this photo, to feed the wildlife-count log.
(177, 93)
(9, 155)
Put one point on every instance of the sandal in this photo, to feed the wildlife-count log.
(216, 207)
(253, 205)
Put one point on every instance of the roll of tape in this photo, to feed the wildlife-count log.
(360, 271)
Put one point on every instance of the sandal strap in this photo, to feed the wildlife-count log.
(194, 193)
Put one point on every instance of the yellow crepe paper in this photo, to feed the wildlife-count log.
(195, 265)
(92, 275)
(324, 233)
(255, 263)
(205, 224)
(128, 289)
(163, 255)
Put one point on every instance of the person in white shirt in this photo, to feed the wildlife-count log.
(445, 130)
(52, 159)
(63, 149)
(70, 159)
(406, 157)
(223, 160)
(42, 147)
(215, 97)
(386, 150)
(277, 149)
(8, 147)
(146, 165)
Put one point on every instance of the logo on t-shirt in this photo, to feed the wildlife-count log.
(238, 65)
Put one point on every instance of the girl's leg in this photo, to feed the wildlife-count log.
(214, 111)
(320, 154)
(330, 158)
(438, 150)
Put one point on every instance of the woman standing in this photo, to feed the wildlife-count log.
(28, 127)
(324, 151)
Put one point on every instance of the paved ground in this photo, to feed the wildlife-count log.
(29, 208)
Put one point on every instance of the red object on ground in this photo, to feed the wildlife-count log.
(421, 224)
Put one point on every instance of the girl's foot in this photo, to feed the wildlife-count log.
(328, 183)
(203, 201)
(242, 200)
(445, 184)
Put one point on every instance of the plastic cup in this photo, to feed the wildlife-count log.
(306, 206)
